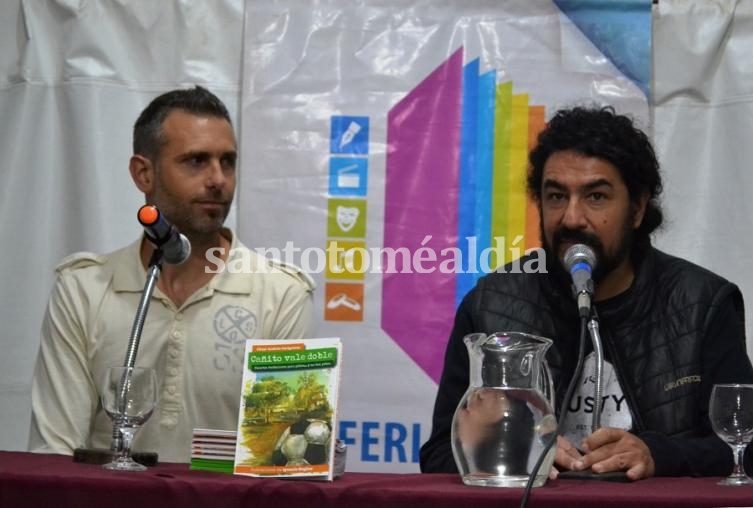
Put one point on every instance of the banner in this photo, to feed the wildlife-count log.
(384, 150)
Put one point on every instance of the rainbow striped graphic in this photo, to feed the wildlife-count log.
(457, 148)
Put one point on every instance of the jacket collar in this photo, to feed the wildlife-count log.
(633, 302)
(129, 274)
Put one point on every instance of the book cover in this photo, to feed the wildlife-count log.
(288, 407)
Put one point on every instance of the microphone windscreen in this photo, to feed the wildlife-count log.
(579, 253)
(177, 250)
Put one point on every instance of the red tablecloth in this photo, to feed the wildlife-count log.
(30, 480)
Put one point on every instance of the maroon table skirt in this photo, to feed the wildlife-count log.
(30, 480)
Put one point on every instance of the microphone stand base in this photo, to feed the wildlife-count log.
(614, 476)
(103, 456)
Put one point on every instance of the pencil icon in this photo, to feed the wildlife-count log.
(349, 134)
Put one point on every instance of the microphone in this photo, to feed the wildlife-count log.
(175, 247)
(580, 261)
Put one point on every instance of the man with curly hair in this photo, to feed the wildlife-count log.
(670, 329)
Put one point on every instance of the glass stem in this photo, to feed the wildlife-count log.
(125, 450)
(739, 454)
(116, 445)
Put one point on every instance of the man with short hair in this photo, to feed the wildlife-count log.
(184, 162)
(670, 329)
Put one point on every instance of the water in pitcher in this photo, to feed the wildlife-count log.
(498, 435)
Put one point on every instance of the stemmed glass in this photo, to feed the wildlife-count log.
(731, 414)
(129, 395)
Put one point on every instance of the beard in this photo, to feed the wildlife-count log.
(183, 215)
(606, 260)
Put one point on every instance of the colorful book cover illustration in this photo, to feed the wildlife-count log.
(286, 422)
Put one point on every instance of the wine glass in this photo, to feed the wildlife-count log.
(731, 414)
(129, 395)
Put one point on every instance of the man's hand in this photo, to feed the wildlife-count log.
(610, 449)
(565, 457)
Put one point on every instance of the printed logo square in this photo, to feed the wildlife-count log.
(349, 134)
(346, 218)
(348, 176)
(346, 260)
(343, 302)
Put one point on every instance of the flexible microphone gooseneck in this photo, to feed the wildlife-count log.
(579, 260)
(173, 248)
(568, 395)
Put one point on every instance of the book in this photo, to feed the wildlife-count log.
(213, 450)
(288, 408)
(199, 433)
(214, 465)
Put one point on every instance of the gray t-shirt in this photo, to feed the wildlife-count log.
(614, 413)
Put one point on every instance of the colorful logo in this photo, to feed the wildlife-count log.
(348, 176)
(346, 260)
(346, 218)
(350, 134)
(343, 302)
(456, 169)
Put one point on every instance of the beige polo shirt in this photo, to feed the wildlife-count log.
(196, 349)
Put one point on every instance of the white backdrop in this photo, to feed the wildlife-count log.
(310, 70)
(74, 75)
(703, 126)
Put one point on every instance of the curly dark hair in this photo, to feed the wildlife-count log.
(147, 132)
(602, 133)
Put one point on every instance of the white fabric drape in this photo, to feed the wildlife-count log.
(73, 76)
(703, 126)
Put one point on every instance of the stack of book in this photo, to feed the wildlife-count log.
(213, 450)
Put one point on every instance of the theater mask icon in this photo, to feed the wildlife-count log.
(347, 217)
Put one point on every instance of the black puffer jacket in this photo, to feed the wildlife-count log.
(675, 333)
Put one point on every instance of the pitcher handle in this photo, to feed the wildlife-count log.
(547, 383)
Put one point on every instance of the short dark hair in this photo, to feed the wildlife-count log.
(600, 132)
(147, 131)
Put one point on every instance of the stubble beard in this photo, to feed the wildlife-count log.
(197, 227)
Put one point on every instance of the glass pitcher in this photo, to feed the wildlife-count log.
(506, 416)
